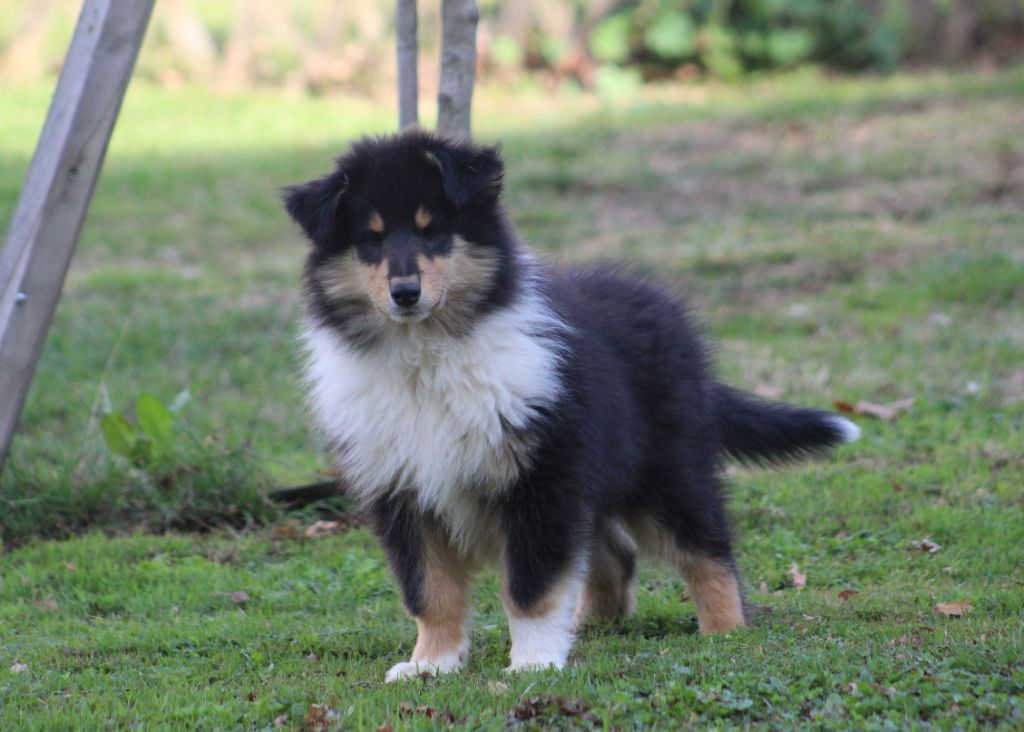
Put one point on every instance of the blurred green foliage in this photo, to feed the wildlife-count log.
(320, 45)
(731, 37)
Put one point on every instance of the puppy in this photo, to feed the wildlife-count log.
(485, 407)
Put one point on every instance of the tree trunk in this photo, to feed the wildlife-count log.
(458, 67)
(408, 74)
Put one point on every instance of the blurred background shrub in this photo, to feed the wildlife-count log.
(319, 45)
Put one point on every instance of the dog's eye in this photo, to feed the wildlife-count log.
(374, 237)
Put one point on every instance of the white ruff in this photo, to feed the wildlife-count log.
(423, 412)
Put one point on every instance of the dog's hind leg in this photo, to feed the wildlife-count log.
(434, 579)
(610, 588)
(688, 528)
(716, 591)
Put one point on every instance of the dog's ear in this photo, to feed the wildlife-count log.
(314, 205)
(468, 173)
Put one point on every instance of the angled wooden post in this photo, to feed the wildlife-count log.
(58, 188)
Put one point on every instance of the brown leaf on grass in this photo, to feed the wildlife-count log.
(406, 710)
(290, 529)
(238, 596)
(49, 604)
(550, 705)
(323, 528)
(847, 595)
(925, 545)
(385, 728)
(19, 668)
(799, 580)
(497, 687)
(319, 717)
(885, 412)
(70, 566)
(953, 609)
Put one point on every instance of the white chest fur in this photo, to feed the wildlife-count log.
(440, 416)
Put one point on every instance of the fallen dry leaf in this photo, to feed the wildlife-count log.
(19, 668)
(550, 705)
(286, 530)
(497, 687)
(926, 545)
(385, 728)
(953, 609)
(319, 717)
(323, 528)
(886, 412)
(799, 580)
(847, 595)
(70, 566)
(49, 604)
(237, 597)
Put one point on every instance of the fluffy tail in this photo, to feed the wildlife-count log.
(759, 431)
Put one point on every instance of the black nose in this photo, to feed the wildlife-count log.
(405, 293)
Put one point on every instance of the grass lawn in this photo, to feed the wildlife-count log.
(844, 240)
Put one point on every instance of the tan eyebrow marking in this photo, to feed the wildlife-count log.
(423, 218)
(376, 223)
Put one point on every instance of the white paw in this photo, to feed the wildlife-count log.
(415, 669)
(539, 664)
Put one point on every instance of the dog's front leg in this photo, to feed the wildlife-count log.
(434, 578)
(544, 565)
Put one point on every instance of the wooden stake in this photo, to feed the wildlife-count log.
(408, 74)
(458, 67)
(58, 188)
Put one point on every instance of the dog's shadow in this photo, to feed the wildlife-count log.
(647, 625)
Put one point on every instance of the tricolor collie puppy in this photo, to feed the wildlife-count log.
(485, 407)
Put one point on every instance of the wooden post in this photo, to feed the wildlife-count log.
(458, 67)
(58, 188)
(407, 46)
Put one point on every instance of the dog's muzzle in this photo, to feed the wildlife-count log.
(405, 291)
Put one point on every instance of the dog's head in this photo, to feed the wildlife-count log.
(407, 229)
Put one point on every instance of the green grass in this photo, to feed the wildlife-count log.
(843, 239)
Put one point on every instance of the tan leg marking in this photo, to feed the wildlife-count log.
(442, 626)
(716, 591)
(422, 218)
(442, 643)
(713, 583)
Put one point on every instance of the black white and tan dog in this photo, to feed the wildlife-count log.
(485, 407)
